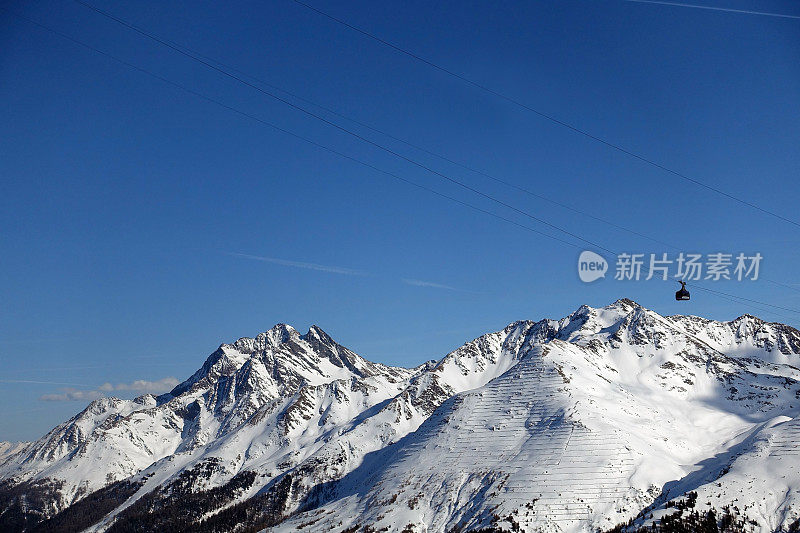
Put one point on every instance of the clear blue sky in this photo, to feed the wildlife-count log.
(125, 200)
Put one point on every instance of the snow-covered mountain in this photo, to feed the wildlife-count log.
(609, 416)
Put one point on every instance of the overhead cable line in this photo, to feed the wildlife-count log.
(759, 307)
(720, 293)
(339, 127)
(221, 68)
(333, 151)
(370, 127)
(450, 160)
(544, 115)
(175, 46)
(714, 8)
(288, 132)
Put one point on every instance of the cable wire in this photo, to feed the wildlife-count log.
(340, 154)
(427, 151)
(208, 63)
(465, 166)
(375, 129)
(288, 132)
(339, 127)
(542, 114)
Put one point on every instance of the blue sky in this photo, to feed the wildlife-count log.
(142, 226)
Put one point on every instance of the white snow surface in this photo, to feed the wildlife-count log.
(557, 425)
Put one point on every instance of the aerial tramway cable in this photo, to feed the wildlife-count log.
(340, 127)
(197, 55)
(209, 63)
(542, 114)
(351, 158)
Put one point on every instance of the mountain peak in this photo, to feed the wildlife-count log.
(747, 317)
(279, 334)
(625, 303)
(316, 332)
(585, 315)
(273, 337)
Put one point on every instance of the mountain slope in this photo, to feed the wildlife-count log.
(585, 430)
(599, 418)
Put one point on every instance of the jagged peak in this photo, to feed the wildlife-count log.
(316, 332)
(273, 337)
(583, 310)
(747, 317)
(625, 304)
(276, 335)
(629, 312)
(747, 325)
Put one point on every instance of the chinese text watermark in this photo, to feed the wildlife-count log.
(682, 266)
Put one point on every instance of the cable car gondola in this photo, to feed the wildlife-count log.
(682, 294)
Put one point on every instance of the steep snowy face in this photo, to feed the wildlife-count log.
(557, 424)
(271, 377)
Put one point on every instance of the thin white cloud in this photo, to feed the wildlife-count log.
(35, 382)
(300, 264)
(714, 8)
(70, 394)
(422, 283)
(140, 386)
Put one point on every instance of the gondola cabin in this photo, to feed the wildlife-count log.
(682, 294)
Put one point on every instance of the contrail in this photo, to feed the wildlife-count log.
(422, 283)
(35, 382)
(299, 264)
(711, 8)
